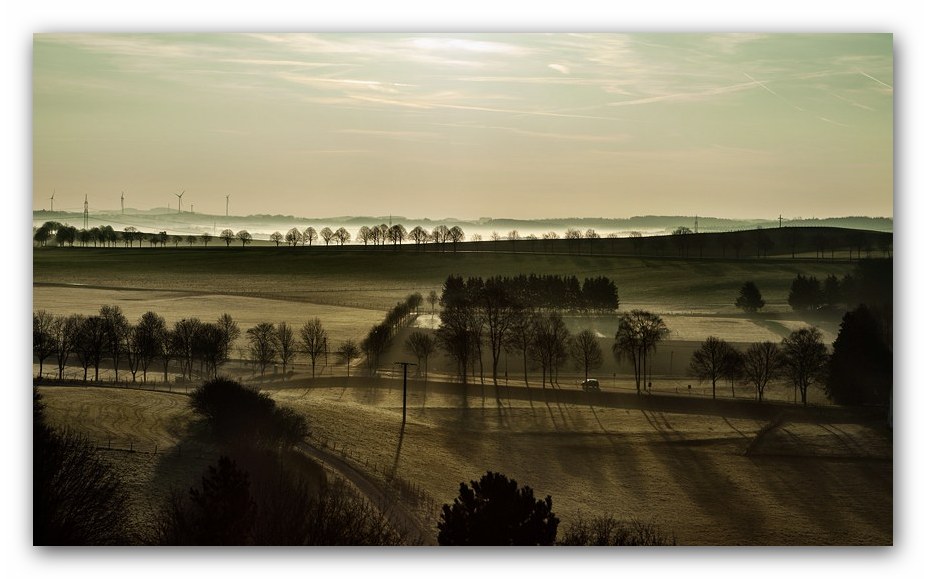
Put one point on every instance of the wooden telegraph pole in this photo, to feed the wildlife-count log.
(405, 366)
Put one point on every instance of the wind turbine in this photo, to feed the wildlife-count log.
(226, 205)
(53, 200)
(122, 202)
(179, 197)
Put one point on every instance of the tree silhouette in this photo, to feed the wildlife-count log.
(433, 299)
(314, 339)
(285, 342)
(277, 238)
(227, 236)
(456, 235)
(762, 363)
(348, 351)
(550, 345)
(78, 499)
(206, 238)
(861, 367)
(293, 237)
(422, 346)
(750, 298)
(43, 342)
(711, 361)
(244, 237)
(309, 235)
(327, 235)
(494, 511)
(262, 345)
(805, 294)
(638, 333)
(223, 511)
(342, 236)
(586, 352)
(805, 359)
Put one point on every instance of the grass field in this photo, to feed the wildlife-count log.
(351, 290)
(814, 479)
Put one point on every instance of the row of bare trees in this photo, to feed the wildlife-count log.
(109, 336)
(801, 358)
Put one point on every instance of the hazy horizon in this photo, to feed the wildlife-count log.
(521, 126)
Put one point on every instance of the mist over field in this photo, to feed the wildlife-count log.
(262, 226)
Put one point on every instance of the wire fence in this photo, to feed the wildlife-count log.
(397, 488)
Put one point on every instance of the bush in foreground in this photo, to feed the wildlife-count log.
(606, 531)
(495, 511)
(77, 497)
(244, 415)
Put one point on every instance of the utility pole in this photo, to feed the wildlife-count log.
(122, 202)
(779, 221)
(696, 223)
(405, 366)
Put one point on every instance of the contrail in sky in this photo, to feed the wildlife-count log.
(863, 73)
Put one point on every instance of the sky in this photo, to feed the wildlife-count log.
(519, 125)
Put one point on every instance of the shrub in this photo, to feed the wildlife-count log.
(495, 511)
(606, 531)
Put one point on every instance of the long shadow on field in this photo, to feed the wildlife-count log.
(843, 500)
(715, 492)
(398, 451)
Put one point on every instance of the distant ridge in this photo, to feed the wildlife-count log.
(160, 218)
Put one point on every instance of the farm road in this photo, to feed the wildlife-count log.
(401, 516)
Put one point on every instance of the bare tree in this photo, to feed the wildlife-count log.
(43, 342)
(327, 235)
(314, 340)
(551, 340)
(638, 333)
(309, 235)
(150, 339)
(66, 332)
(418, 235)
(432, 299)
(183, 344)
(277, 238)
(244, 237)
(397, 234)
(456, 235)
(762, 363)
(293, 237)
(205, 238)
(805, 359)
(285, 344)
(709, 362)
(116, 327)
(342, 236)
(520, 336)
(262, 345)
(227, 236)
(455, 335)
(497, 309)
(422, 346)
(441, 235)
(586, 352)
(348, 351)
(364, 235)
(91, 344)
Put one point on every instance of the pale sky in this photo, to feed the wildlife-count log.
(467, 125)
